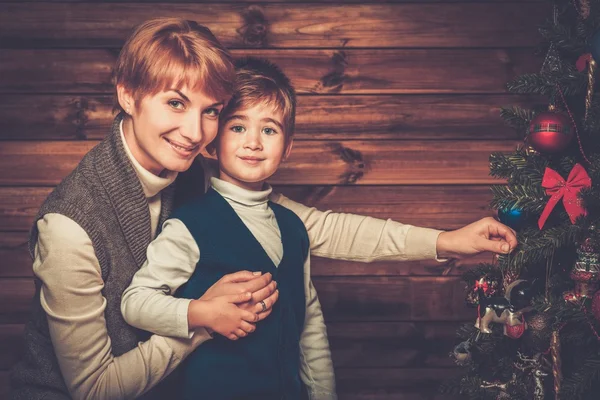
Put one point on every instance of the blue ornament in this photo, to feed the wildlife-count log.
(515, 217)
(595, 46)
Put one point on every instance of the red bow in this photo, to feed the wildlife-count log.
(557, 188)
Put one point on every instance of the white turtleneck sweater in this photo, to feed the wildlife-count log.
(71, 293)
(171, 260)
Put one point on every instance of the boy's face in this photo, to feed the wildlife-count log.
(250, 146)
(169, 129)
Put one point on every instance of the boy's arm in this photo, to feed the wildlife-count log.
(316, 367)
(148, 302)
(359, 238)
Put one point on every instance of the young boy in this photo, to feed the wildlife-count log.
(233, 227)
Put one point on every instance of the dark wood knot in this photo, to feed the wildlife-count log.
(256, 27)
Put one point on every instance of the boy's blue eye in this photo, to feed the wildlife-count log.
(237, 128)
(176, 104)
(269, 131)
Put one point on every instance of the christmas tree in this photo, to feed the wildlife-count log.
(536, 327)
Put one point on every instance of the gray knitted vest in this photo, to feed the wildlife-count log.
(104, 196)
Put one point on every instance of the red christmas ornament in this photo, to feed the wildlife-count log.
(516, 331)
(550, 132)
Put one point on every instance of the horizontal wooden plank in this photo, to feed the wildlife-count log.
(73, 117)
(16, 296)
(369, 384)
(392, 298)
(295, 25)
(11, 345)
(384, 162)
(18, 207)
(14, 254)
(353, 344)
(350, 71)
(392, 344)
(4, 385)
(442, 207)
(394, 383)
(347, 299)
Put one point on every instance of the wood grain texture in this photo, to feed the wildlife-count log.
(369, 384)
(389, 299)
(333, 117)
(353, 344)
(311, 163)
(350, 71)
(11, 345)
(293, 25)
(394, 384)
(442, 207)
(14, 254)
(344, 299)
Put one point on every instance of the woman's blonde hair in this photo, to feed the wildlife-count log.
(167, 53)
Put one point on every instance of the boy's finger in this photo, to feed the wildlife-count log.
(231, 336)
(240, 333)
(248, 316)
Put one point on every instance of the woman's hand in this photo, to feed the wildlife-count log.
(487, 234)
(222, 315)
(256, 294)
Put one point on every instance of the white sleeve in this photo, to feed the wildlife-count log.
(316, 366)
(148, 302)
(360, 238)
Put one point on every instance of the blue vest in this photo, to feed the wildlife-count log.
(265, 364)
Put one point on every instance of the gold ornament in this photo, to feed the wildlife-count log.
(590, 88)
(556, 362)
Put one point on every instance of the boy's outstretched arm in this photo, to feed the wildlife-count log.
(366, 239)
(316, 367)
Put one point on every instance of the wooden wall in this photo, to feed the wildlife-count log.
(398, 113)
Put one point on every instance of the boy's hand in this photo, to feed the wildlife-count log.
(487, 234)
(262, 287)
(222, 315)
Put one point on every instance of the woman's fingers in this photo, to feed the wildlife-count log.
(265, 292)
(266, 304)
(264, 315)
(240, 276)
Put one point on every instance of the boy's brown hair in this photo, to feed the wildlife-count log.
(167, 53)
(260, 82)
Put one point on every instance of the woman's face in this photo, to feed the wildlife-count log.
(170, 128)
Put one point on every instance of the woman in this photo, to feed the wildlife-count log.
(172, 78)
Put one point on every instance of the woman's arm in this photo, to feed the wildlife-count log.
(359, 238)
(316, 367)
(148, 303)
(71, 296)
